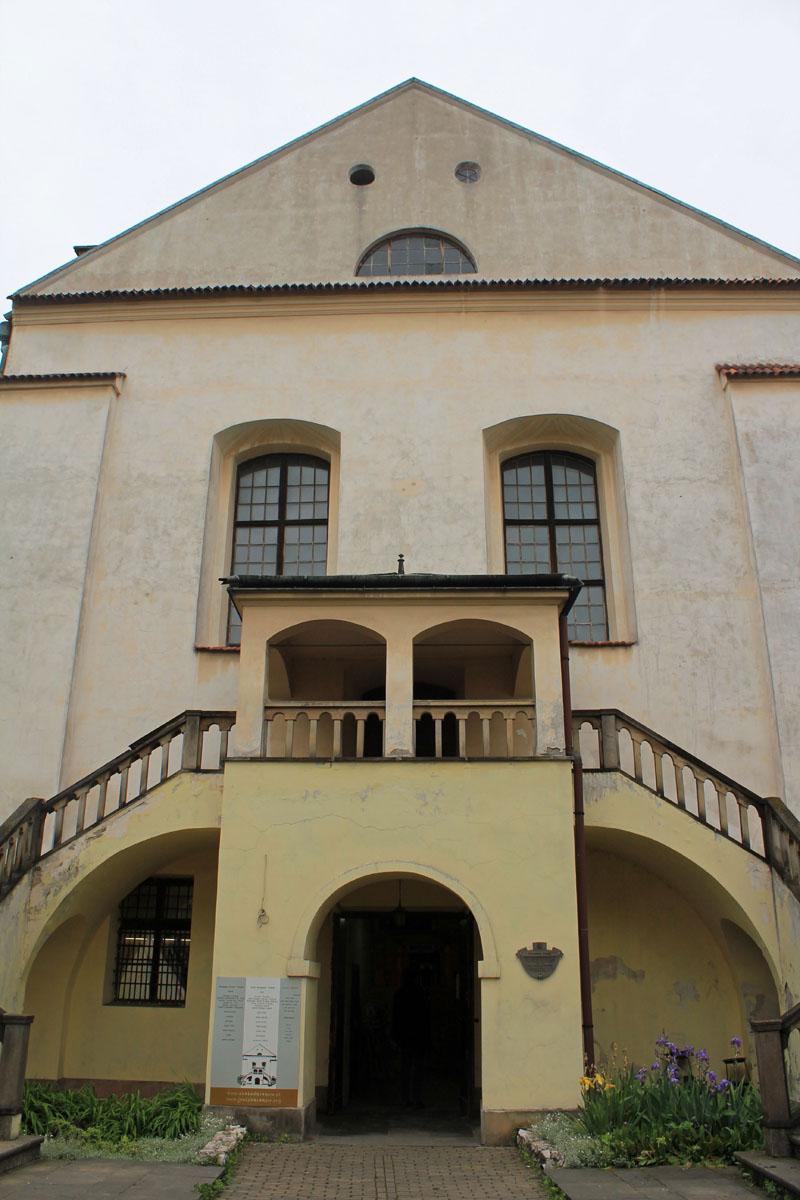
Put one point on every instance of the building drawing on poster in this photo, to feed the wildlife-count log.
(259, 1069)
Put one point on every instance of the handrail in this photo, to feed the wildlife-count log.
(38, 827)
(760, 825)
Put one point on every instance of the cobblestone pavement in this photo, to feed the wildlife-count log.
(325, 1172)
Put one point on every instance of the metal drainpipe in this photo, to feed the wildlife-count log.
(580, 852)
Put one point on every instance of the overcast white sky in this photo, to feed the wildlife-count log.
(113, 109)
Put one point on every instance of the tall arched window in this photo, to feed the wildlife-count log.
(552, 523)
(417, 252)
(280, 523)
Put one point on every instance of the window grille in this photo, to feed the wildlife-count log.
(153, 943)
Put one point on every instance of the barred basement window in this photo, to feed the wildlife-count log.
(155, 923)
(552, 523)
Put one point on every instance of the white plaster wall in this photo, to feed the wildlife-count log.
(52, 443)
(538, 211)
(410, 392)
(767, 416)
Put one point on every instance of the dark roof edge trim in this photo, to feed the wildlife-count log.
(458, 285)
(410, 582)
(65, 377)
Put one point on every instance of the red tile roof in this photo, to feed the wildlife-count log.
(759, 370)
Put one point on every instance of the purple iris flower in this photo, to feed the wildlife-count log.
(737, 1042)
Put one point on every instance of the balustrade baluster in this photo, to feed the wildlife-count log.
(337, 737)
(80, 813)
(58, 827)
(722, 806)
(269, 736)
(289, 736)
(312, 737)
(487, 744)
(680, 794)
(165, 748)
(658, 764)
(609, 742)
(744, 822)
(145, 769)
(637, 759)
(223, 744)
(510, 736)
(437, 736)
(360, 723)
(123, 787)
(462, 737)
(101, 797)
(700, 788)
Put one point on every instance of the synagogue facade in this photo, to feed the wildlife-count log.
(400, 610)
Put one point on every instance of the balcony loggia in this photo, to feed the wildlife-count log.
(400, 666)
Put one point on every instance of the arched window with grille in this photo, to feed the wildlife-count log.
(280, 524)
(552, 523)
(417, 252)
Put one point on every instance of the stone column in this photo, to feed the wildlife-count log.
(398, 729)
(15, 1031)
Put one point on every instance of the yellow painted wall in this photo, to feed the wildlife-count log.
(77, 1034)
(498, 835)
(657, 968)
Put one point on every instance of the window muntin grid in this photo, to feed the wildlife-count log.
(153, 943)
(281, 521)
(417, 254)
(551, 520)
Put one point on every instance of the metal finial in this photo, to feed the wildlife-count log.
(401, 570)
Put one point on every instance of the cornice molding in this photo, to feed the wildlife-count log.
(600, 298)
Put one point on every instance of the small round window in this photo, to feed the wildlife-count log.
(361, 175)
(468, 172)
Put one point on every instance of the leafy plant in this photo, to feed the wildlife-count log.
(78, 1114)
(676, 1111)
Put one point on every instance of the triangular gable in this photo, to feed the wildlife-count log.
(539, 210)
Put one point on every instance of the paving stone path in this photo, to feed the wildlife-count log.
(325, 1172)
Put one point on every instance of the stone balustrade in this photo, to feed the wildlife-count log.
(612, 741)
(343, 729)
(39, 827)
(476, 728)
(608, 740)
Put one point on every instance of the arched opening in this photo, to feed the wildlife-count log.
(399, 1004)
(326, 689)
(88, 1027)
(473, 691)
(666, 939)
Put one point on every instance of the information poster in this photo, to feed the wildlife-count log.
(255, 1054)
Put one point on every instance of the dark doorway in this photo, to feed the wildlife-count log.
(402, 1013)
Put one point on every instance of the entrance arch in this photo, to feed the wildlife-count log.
(398, 994)
(302, 961)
